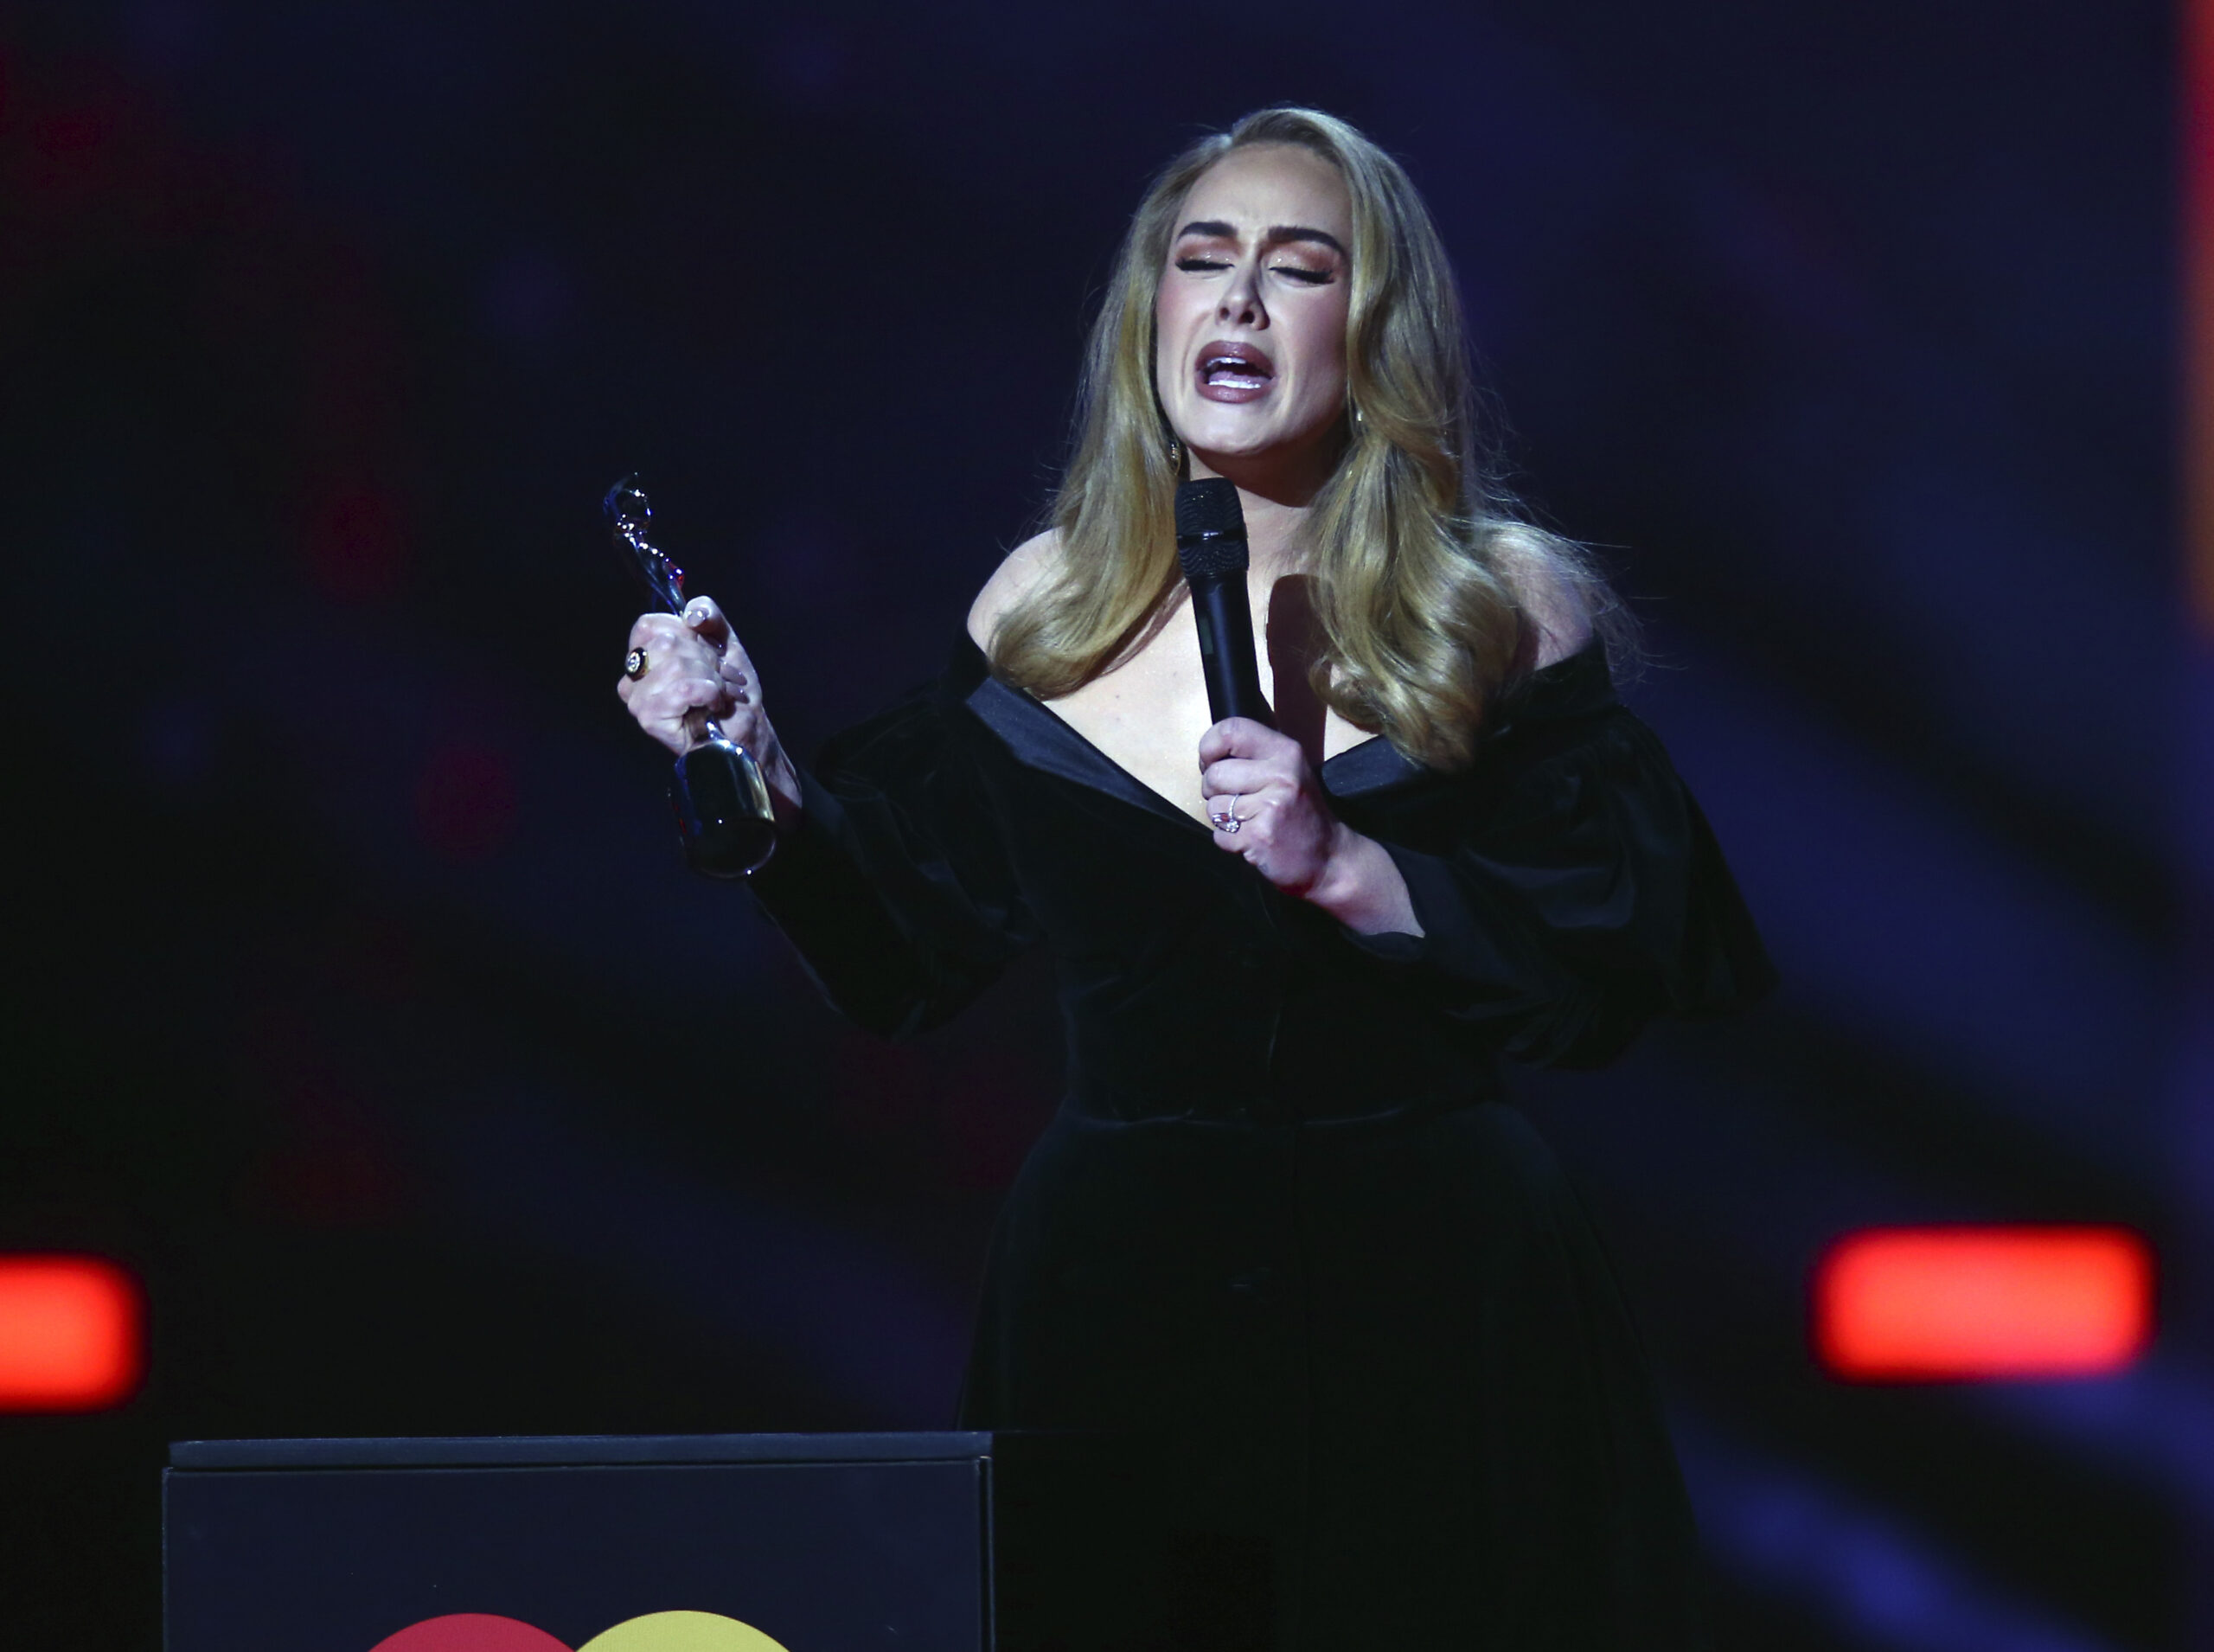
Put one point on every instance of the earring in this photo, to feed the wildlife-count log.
(1357, 418)
(1175, 454)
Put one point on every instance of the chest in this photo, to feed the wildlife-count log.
(1148, 713)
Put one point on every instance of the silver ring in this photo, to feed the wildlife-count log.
(1229, 821)
(634, 664)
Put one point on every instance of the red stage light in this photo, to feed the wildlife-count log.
(72, 1334)
(1930, 1305)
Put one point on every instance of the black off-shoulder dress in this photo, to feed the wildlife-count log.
(1282, 1219)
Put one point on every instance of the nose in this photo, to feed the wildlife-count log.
(1241, 300)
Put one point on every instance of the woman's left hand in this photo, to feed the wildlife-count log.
(1268, 806)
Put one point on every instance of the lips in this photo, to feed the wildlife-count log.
(1228, 371)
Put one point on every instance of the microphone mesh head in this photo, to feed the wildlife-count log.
(1210, 529)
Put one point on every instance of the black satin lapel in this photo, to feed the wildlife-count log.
(1369, 766)
(1578, 687)
(1582, 685)
(1042, 740)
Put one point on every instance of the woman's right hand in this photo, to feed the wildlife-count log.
(696, 668)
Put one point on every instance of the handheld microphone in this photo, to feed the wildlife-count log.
(1211, 544)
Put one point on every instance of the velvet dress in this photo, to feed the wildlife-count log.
(1283, 1220)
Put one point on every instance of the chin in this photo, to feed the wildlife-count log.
(1232, 450)
(1251, 444)
(1236, 438)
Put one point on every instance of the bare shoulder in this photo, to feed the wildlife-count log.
(1546, 583)
(1018, 574)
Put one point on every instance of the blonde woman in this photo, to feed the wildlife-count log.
(1282, 1220)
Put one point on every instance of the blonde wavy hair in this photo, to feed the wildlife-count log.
(1428, 585)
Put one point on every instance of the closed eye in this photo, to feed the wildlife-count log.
(1194, 262)
(1312, 278)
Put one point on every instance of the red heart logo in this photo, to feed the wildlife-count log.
(655, 1632)
(470, 1632)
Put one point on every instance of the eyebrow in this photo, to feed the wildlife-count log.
(1276, 233)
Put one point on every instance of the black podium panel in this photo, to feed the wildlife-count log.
(818, 1542)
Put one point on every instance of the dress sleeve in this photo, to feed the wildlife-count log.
(893, 885)
(1569, 890)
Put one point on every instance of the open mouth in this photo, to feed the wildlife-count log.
(1234, 372)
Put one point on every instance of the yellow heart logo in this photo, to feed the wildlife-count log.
(655, 1632)
(681, 1632)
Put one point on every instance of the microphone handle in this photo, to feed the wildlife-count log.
(1224, 616)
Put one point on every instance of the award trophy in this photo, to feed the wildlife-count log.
(723, 813)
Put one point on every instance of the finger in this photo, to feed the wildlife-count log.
(677, 697)
(1245, 774)
(654, 630)
(703, 616)
(705, 694)
(668, 646)
(1240, 737)
(1244, 846)
(1242, 813)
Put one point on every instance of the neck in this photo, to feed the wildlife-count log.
(1276, 498)
(1274, 534)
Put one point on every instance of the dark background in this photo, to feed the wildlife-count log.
(362, 1006)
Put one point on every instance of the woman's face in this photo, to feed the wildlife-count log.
(1249, 350)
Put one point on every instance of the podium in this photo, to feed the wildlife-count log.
(942, 1542)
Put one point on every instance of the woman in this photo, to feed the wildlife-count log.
(1282, 1220)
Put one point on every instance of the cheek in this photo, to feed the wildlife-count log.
(1164, 344)
(1172, 325)
(1322, 350)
